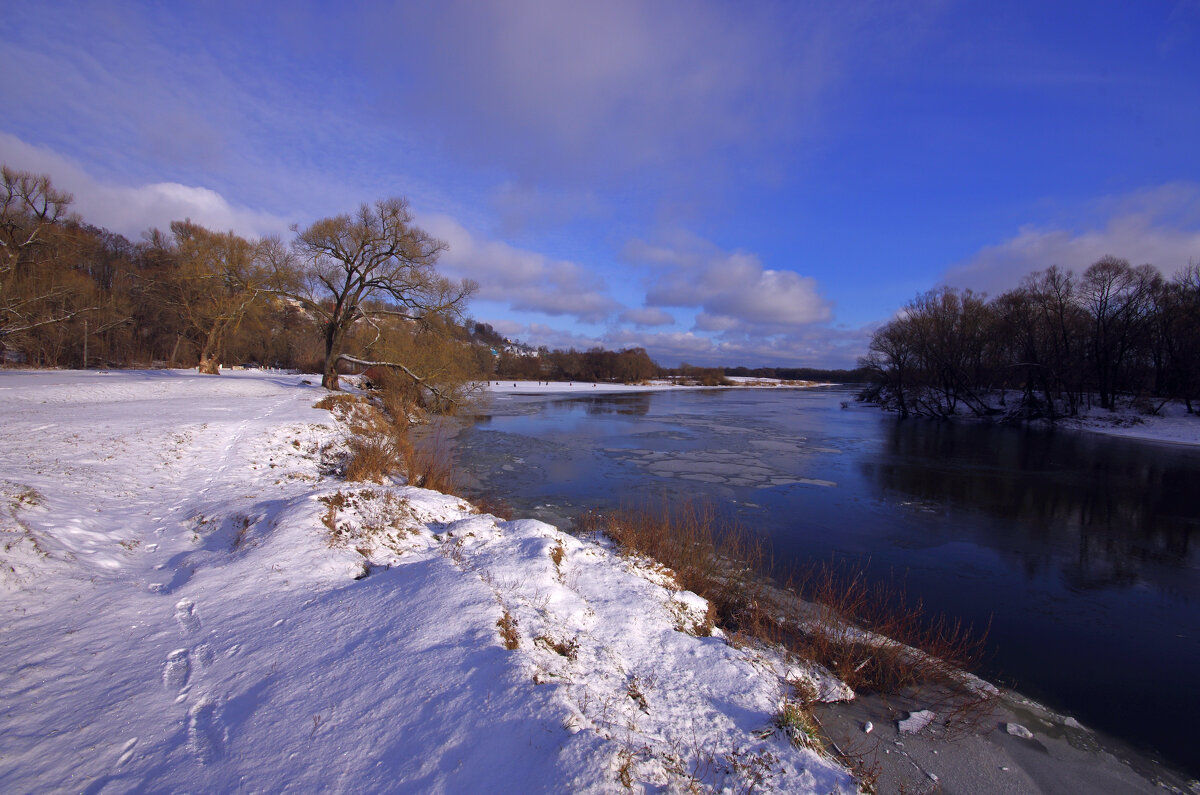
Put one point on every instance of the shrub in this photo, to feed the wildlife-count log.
(373, 458)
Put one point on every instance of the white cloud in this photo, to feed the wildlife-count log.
(131, 210)
(733, 289)
(525, 280)
(817, 347)
(1160, 226)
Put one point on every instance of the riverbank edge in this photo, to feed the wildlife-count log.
(1078, 749)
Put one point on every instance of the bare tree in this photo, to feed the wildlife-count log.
(1117, 298)
(374, 264)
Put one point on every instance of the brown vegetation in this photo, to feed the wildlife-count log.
(508, 631)
(380, 444)
(866, 633)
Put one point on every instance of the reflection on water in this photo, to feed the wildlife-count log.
(1076, 547)
(1116, 504)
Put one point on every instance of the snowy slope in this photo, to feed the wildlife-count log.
(179, 615)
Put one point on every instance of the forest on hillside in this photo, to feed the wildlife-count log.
(1057, 344)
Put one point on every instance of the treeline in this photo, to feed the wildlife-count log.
(857, 376)
(629, 366)
(1057, 344)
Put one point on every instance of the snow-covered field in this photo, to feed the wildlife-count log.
(185, 609)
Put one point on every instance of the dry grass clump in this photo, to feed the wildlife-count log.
(902, 649)
(379, 517)
(496, 506)
(373, 458)
(568, 648)
(381, 444)
(429, 462)
(508, 631)
(718, 560)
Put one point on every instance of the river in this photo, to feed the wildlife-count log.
(1078, 548)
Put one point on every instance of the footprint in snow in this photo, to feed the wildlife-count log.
(203, 654)
(175, 672)
(206, 732)
(127, 752)
(186, 615)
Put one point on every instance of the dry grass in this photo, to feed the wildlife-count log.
(902, 649)
(496, 506)
(429, 461)
(381, 444)
(568, 648)
(379, 517)
(718, 560)
(333, 503)
(866, 633)
(241, 532)
(373, 458)
(508, 631)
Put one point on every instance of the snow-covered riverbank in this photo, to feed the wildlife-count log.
(194, 600)
(180, 615)
(584, 388)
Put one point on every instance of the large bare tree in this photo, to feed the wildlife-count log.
(366, 267)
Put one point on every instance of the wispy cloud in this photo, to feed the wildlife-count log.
(580, 88)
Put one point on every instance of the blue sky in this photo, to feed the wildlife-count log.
(722, 183)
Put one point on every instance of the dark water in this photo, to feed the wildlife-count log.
(1079, 548)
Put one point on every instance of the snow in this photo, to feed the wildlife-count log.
(589, 388)
(1172, 424)
(916, 721)
(1017, 730)
(193, 600)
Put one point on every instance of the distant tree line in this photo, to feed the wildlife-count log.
(859, 375)
(628, 366)
(1056, 344)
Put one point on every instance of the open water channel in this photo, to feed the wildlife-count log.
(1080, 549)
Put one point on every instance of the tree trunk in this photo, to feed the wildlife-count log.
(210, 362)
(333, 339)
